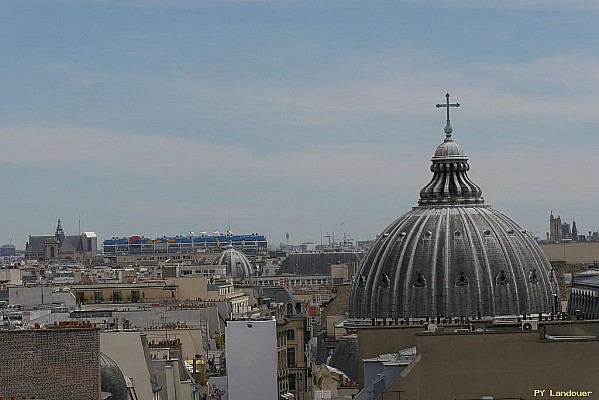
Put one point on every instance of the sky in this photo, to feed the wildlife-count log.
(160, 117)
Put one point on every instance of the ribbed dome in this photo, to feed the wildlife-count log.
(450, 183)
(112, 379)
(453, 255)
(238, 265)
(449, 148)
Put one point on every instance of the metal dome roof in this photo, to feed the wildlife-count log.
(238, 265)
(453, 255)
(112, 379)
(449, 148)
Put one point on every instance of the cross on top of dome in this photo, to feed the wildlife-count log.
(447, 105)
(450, 184)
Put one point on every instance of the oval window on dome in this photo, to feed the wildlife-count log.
(532, 277)
(361, 280)
(461, 280)
(428, 235)
(487, 232)
(501, 278)
(385, 281)
(511, 232)
(420, 280)
(457, 234)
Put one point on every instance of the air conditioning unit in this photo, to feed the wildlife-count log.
(530, 325)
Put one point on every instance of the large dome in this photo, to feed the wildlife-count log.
(238, 265)
(453, 255)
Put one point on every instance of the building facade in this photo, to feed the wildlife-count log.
(251, 359)
(51, 364)
(253, 243)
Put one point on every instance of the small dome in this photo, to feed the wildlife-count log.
(238, 265)
(112, 379)
(450, 183)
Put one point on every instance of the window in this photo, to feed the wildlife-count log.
(290, 334)
(292, 383)
(291, 357)
(98, 296)
(116, 295)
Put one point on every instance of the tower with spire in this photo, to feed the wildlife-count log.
(59, 233)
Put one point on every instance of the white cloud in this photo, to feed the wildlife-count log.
(407, 83)
(337, 166)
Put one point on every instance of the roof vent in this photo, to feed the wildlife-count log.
(530, 325)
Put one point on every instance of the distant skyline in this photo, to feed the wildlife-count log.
(159, 117)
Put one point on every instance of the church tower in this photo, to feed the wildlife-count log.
(555, 228)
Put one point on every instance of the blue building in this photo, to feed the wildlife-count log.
(251, 243)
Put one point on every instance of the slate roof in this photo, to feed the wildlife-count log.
(278, 294)
(70, 244)
(316, 263)
(590, 281)
(345, 356)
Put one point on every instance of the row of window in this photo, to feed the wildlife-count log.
(457, 234)
(295, 282)
(198, 272)
(116, 296)
(461, 279)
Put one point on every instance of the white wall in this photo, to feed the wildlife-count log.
(251, 359)
(34, 296)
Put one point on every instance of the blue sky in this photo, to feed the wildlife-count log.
(159, 117)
